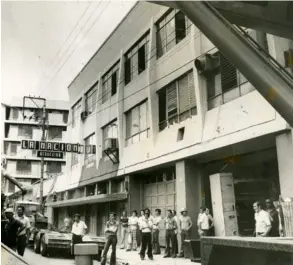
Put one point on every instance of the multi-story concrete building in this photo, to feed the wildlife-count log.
(161, 128)
(21, 123)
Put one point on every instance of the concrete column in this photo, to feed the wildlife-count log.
(284, 144)
(189, 192)
(134, 194)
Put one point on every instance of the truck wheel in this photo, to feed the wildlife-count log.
(37, 243)
(44, 247)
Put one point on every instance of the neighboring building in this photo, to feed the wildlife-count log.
(24, 124)
(161, 128)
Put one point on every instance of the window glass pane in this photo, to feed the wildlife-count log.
(161, 42)
(172, 98)
(143, 116)
(135, 120)
(183, 94)
(128, 124)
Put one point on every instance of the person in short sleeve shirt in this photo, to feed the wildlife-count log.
(79, 229)
(263, 224)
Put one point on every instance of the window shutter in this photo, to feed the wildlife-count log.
(128, 124)
(288, 55)
(172, 99)
(127, 71)
(228, 74)
(183, 94)
(191, 90)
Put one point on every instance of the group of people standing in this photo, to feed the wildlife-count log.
(16, 232)
(147, 228)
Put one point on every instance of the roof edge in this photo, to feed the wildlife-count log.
(101, 46)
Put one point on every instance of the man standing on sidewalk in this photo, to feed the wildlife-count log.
(156, 232)
(78, 231)
(146, 231)
(111, 237)
(24, 235)
(171, 226)
(185, 228)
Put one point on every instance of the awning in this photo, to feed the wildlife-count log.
(90, 200)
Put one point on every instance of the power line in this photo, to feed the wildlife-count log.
(59, 69)
(60, 49)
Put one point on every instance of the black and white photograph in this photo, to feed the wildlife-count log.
(146, 132)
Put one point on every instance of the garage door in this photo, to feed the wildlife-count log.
(160, 192)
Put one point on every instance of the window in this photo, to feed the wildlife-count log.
(91, 100)
(177, 101)
(13, 149)
(25, 131)
(23, 167)
(110, 83)
(110, 131)
(55, 133)
(76, 112)
(171, 29)
(54, 167)
(225, 83)
(288, 55)
(74, 159)
(65, 117)
(6, 146)
(137, 123)
(90, 149)
(15, 113)
(136, 59)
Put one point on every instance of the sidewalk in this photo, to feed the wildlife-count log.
(132, 258)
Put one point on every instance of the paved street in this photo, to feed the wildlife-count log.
(122, 257)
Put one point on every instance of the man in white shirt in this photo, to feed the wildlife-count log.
(185, 224)
(146, 226)
(205, 223)
(24, 235)
(156, 232)
(132, 225)
(263, 224)
(79, 229)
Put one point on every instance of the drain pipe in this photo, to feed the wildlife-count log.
(265, 77)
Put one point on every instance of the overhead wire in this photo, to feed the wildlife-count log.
(60, 49)
(59, 69)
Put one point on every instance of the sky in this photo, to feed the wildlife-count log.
(45, 44)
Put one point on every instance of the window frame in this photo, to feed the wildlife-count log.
(162, 25)
(221, 96)
(129, 139)
(108, 88)
(178, 116)
(131, 69)
(23, 171)
(89, 157)
(75, 112)
(50, 163)
(111, 125)
(91, 99)
(23, 131)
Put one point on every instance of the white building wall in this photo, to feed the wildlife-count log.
(242, 119)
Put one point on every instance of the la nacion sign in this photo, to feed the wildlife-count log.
(57, 147)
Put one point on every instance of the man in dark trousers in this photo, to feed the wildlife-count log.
(274, 217)
(24, 235)
(111, 236)
(12, 230)
(78, 231)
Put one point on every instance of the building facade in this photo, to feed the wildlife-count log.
(23, 123)
(161, 127)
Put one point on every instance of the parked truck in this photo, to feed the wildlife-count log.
(48, 240)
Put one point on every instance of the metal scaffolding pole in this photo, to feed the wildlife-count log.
(270, 81)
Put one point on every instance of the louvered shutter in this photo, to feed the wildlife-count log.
(183, 91)
(228, 74)
(172, 99)
(191, 90)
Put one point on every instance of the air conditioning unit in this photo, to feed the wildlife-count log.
(111, 144)
(84, 114)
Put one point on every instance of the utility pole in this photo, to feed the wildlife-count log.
(42, 111)
(42, 159)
